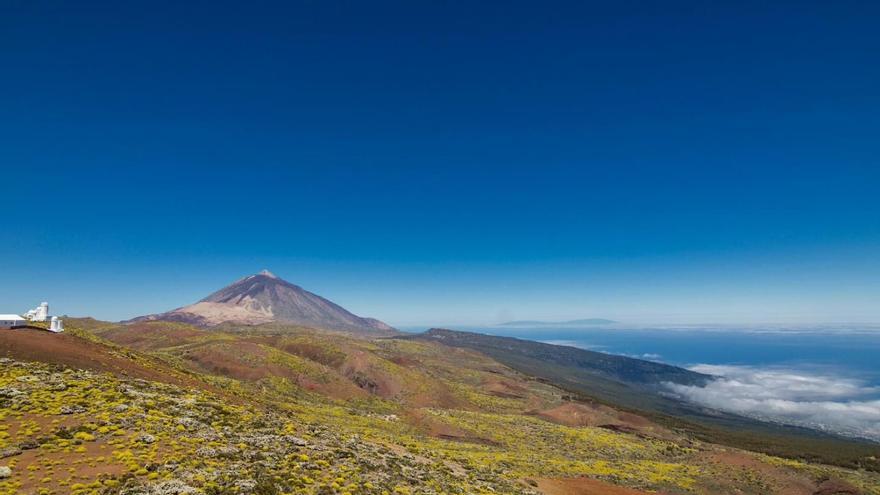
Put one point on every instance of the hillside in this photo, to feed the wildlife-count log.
(601, 364)
(274, 409)
(263, 298)
(78, 349)
(637, 385)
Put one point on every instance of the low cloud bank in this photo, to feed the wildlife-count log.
(835, 404)
(572, 343)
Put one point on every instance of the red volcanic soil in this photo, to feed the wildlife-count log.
(572, 414)
(784, 481)
(405, 361)
(241, 360)
(74, 352)
(575, 414)
(249, 361)
(152, 336)
(309, 350)
(836, 487)
(504, 388)
(439, 429)
(68, 350)
(582, 486)
(359, 369)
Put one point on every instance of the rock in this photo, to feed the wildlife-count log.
(146, 438)
(28, 445)
(190, 423)
(207, 434)
(171, 487)
(9, 452)
(206, 452)
(299, 442)
(246, 485)
(5, 472)
(10, 392)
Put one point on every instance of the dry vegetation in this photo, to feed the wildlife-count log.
(293, 410)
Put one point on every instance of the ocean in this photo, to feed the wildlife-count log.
(854, 353)
(820, 377)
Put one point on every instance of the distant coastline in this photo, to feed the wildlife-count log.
(586, 322)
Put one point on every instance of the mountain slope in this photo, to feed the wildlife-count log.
(636, 385)
(263, 414)
(263, 298)
(609, 366)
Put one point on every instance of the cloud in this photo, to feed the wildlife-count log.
(648, 356)
(572, 343)
(836, 404)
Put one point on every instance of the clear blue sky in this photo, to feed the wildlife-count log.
(445, 162)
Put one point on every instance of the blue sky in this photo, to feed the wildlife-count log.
(444, 162)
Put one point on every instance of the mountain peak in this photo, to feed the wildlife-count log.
(264, 298)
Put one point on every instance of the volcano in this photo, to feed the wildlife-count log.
(264, 298)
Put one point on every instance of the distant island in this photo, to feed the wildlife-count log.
(569, 323)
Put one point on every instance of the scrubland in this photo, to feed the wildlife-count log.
(167, 408)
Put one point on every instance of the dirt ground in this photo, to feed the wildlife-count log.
(69, 350)
(582, 486)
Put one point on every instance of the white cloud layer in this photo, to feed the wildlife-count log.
(573, 343)
(835, 404)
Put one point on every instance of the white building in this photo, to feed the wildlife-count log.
(40, 313)
(12, 321)
(55, 325)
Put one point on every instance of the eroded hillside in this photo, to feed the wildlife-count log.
(170, 408)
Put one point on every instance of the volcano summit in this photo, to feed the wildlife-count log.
(263, 298)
